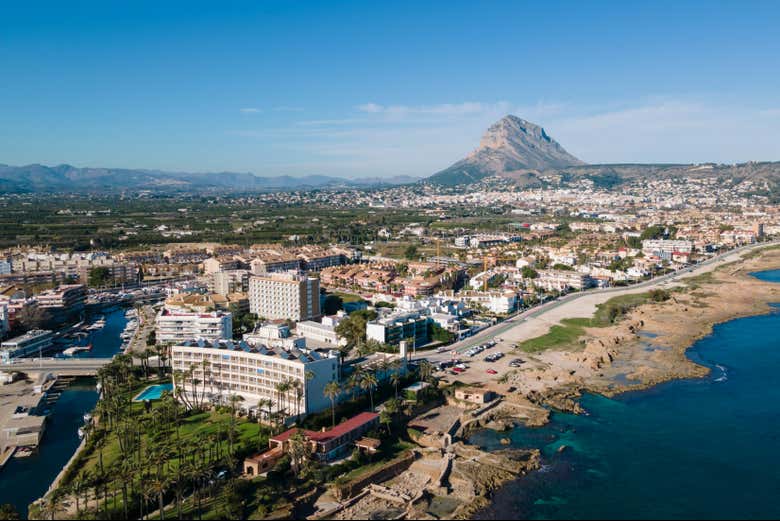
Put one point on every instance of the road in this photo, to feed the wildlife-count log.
(537, 320)
(65, 367)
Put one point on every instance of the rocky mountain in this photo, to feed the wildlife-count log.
(511, 147)
(70, 179)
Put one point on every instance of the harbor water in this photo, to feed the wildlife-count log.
(23, 480)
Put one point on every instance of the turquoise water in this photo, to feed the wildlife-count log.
(153, 392)
(705, 448)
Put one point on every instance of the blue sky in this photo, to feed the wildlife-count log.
(380, 89)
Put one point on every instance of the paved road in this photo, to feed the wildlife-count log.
(67, 367)
(543, 309)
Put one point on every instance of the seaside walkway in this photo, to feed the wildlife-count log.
(61, 367)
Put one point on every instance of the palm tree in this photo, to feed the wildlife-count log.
(332, 390)
(395, 379)
(368, 383)
(158, 487)
(308, 376)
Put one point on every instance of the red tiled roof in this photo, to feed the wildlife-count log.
(337, 431)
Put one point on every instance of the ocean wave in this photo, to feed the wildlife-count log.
(724, 374)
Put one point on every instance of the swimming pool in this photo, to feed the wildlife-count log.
(153, 392)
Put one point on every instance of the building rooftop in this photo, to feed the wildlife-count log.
(336, 432)
(234, 345)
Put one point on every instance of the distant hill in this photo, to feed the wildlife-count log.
(516, 149)
(511, 147)
(66, 178)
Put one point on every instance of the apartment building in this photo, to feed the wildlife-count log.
(665, 248)
(254, 373)
(561, 280)
(176, 325)
(230, 281)
(215, 264)
(64, 302)
(285, 296)
(495, 301)
(395, 327)
(31, 343)
(118, 273)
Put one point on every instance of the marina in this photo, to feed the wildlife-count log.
(47, 412)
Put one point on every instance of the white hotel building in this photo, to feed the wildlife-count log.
(178, 326)
(236, 368)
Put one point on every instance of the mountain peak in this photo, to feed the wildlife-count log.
(509, 146)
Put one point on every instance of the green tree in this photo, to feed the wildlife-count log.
(411, 253)
(332, 304)
(8, 511)
(528, 272)
(99, 276)
(332, 391)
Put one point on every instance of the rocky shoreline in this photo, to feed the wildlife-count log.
(649, 345)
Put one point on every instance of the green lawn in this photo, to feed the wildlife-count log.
(570, 329)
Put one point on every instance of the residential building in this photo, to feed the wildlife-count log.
(254, 373)
(320, 334)
(32, 343)
(230, 281)
(333, 443)
(177, 325)
(63, 302)
(562, 280)
(285, 296)
(398, 326)
(665, 248)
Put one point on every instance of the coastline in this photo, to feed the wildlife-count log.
(648, 345)
(644, 348)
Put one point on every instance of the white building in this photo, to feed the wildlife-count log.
(178, 326)
(5, 267)
(560, 280)
(320, 333)
(495, 301)
(665, 248)
(274, 336)
(283, 296)
(32, 343)
(253, 373)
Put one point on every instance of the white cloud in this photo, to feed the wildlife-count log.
(250, 110)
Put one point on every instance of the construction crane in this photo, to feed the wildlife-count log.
(496, 260)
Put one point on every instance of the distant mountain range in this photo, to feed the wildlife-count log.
(511, 147)
(70, 179)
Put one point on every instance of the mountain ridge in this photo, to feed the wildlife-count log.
(511, 146)
(67, 178)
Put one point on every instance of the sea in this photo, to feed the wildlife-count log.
(705, 448)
